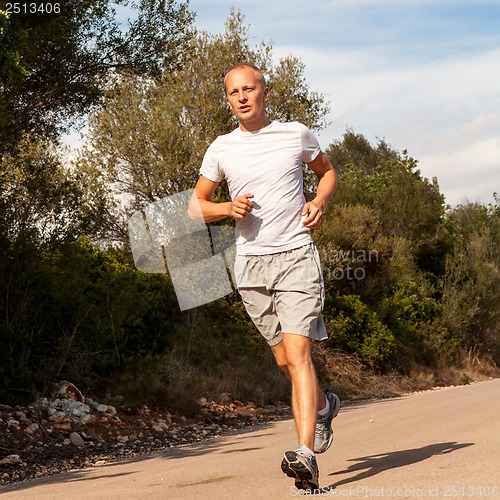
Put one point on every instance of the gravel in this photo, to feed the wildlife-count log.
(71, 432)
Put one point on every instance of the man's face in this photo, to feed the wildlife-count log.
(246, 96)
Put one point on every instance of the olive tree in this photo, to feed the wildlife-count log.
(150, 139)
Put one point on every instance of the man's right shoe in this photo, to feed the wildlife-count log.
(303, 468)
(323, 435)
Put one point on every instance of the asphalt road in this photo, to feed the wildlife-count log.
(443, 443)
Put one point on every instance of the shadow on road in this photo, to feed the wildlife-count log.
(369, 466)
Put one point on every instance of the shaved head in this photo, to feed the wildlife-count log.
(257, 72)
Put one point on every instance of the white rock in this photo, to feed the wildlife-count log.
(111, 410)
(11, 460)
(75, 411)
(76, 439)
(13, 423)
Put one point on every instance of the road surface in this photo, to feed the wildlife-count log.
(443, 443)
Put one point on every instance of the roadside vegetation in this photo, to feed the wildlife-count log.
(412, 284)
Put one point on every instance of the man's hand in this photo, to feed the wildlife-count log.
(312, 214)
(327, 183)
(241, 206)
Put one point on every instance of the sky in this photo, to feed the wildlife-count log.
(424, 75)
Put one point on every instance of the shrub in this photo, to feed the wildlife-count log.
(356, 329)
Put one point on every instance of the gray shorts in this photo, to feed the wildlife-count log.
(283, 292)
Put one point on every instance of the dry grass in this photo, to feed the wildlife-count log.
(177, 380)
(346, 375)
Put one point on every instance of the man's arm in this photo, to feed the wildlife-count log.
(327, 184)
(201, 206)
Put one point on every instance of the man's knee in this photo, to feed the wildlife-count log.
(297, 350)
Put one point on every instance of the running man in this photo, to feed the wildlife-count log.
(277, 268)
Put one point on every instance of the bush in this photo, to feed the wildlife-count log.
(356, 329)
(76, 311)
(217, 350)
(413, 315)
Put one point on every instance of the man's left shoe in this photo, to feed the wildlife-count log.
(303, 468)
(323, 435)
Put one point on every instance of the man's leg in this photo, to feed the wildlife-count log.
(328, 404)
(293, 355)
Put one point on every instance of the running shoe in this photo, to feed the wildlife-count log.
(323, 435)
(303, 468)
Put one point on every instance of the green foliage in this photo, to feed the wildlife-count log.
(471, 286)
(150, 140)
(357, 258)
(405, 204)
(431, 276)
(413, 315)
(211, 342)
(355, 150)
(58, 65)
(290, 97)
(76, 311)
(41, 200)
(12, 71)
(357, 329)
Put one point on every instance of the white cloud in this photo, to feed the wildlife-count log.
(446, 112)
(470, 172)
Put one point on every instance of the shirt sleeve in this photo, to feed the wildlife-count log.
(310, 145)
(210, 166)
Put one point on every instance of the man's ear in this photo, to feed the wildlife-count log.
(266, 94)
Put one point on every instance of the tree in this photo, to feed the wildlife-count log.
(388, 181)
(150, 140)
(384, 242)
(73, 310)
(41, 200)
(358, 330)
(57, 65)
(291, 99)
(471, 288)
(12, 72)
(359, 259)
(355, 149)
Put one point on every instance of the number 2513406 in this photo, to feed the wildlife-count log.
(32, 8)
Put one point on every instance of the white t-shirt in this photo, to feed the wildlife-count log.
(268, 164)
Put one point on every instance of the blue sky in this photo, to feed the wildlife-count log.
(422, 74)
